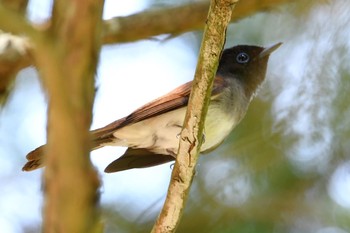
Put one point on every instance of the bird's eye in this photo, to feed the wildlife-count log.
(242, 58)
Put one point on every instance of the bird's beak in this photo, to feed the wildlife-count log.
(269, 50)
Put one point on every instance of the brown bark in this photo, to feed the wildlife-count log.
(174, 20)
(66, 56)
(16, 5)
(13, 51)
(13, 57)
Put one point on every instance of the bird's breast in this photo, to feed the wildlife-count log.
(225, 111)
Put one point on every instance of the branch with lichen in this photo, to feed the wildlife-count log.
(192, 134)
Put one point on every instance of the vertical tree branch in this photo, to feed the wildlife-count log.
(191, 136)
(67, 58)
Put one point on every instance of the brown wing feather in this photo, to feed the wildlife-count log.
(175, 99)
(171, 101)
(137, 158)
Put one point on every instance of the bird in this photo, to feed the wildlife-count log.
(151, 132)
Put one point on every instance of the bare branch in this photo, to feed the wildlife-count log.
(174, 20)
(16, 5)
(191, 136)
(14, 50)
(13, 57)
(13, 22)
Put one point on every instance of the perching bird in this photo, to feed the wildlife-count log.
(151, 132)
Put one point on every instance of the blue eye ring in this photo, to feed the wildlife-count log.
(242, 58)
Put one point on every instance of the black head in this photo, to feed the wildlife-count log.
(247, 64)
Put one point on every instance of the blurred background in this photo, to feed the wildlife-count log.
(284, 169)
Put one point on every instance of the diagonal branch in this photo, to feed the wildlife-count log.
(16, 5)
(13, 22)
(14, 50)
(13, 57)
(174, 20)
(191, 136)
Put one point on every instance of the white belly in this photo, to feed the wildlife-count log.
(161, 135)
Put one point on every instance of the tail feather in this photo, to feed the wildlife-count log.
(133, 158)
(35, 159)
